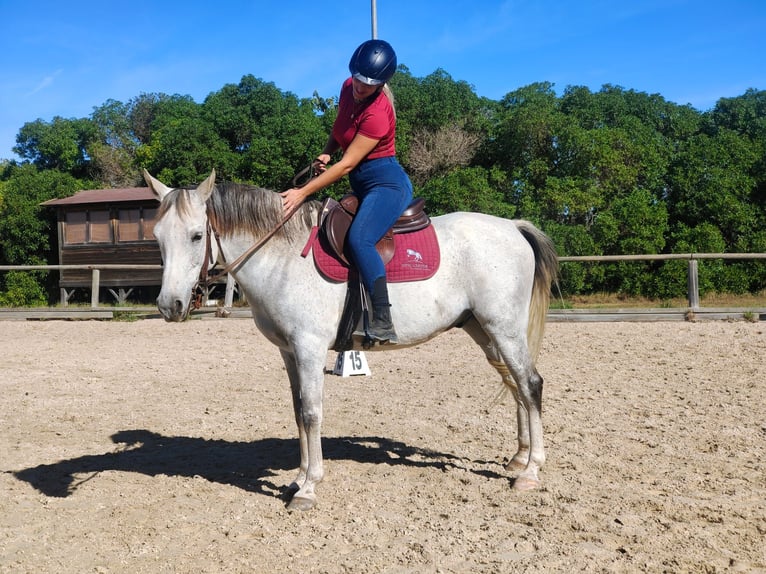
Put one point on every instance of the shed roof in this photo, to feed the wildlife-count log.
(89, 196)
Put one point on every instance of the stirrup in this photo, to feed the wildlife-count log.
(369, 339)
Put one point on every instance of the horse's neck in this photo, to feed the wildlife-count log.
(271, 247)
(274, 252)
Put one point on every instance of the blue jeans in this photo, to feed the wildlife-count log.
(384, 191)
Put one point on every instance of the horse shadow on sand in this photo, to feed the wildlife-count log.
(246, 465)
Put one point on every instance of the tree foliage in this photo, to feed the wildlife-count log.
(613, 171)
(27, 230)
(57, 145)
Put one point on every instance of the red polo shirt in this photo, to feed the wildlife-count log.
(375, 120)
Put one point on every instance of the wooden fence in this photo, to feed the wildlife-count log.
(95, 284)
(693, 310)
(693, 258)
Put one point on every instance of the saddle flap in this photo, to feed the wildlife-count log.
(335, 227)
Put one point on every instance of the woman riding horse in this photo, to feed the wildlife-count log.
(365, 129)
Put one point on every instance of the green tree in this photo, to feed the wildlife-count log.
(467, 189)
(427, 106)
(607, 172)
(144, 109)
(523, 141)
(746, 116)
(671, 278)
(711, 181)
(60, 144)
(25, 226)
(273, 134)
(27, 230)
(184, 151)
(184, 148)
(112, 152)
(575, 239)
(634, 224)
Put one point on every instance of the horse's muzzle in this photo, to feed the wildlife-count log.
(173, 310)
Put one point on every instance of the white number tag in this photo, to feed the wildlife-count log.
(351, 363)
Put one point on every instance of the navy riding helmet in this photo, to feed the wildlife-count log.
(373, 62)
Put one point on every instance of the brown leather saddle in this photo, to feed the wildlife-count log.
(336, 216)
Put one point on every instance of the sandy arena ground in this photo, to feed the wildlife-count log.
(148, 447)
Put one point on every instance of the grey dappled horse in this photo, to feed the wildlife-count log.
(494, 282)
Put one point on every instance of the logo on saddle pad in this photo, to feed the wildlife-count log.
(414, 261)
(413, 255)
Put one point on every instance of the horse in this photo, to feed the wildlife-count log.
(494, 281)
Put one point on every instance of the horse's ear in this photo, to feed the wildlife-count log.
(205, 188)
(159, 188)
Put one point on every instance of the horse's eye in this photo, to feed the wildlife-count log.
(197, 236)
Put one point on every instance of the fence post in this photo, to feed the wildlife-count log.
(94, 285)
(228, 299)
(693, 285)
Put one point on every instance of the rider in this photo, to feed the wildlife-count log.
(365, 129)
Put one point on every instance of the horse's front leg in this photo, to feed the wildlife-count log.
(306, 384)
(292, 373)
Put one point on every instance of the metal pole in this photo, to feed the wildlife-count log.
(374, 12)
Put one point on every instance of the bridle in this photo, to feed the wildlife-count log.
(205, 279)
(202, 285)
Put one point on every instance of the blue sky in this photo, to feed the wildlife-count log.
(66, 58)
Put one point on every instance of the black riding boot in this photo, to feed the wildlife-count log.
(381, 327)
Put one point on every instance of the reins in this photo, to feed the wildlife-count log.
(205, 279)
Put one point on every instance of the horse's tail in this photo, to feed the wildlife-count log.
(546, 272)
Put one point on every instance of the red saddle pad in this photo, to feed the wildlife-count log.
(416, 257)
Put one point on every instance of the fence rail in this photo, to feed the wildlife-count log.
(693, 294)
(692, 310)
(662, 257)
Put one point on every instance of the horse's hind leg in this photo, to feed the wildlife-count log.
(512, 361)
(519, 460)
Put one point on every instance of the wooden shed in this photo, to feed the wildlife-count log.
(108, 226)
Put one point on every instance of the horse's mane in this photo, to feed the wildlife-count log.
(240, 208)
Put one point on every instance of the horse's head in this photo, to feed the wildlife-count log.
(182, 233)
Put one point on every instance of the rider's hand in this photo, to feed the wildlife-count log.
(321, 161)
(292, 198)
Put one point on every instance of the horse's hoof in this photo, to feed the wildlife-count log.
(301, 503)
(524, 483)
